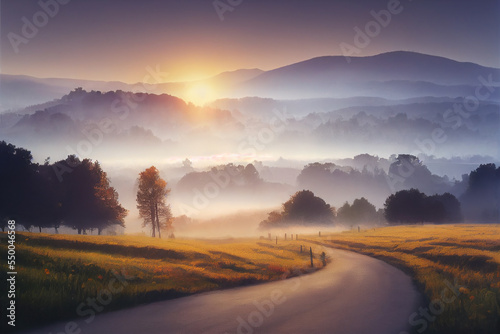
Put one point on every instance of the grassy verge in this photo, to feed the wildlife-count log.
(438, 257)
(57, 274)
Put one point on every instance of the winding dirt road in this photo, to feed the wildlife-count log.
(353, 294)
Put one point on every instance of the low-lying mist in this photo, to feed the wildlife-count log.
(230, 200)
(226, 162)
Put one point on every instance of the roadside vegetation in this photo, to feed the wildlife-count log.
(58, 273)
(466, 257)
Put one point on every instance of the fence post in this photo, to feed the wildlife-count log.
(323, 258)
(296, 237)
(301, 248)
(319, 233)
(311, 255)
(276, 240)
(285, 236)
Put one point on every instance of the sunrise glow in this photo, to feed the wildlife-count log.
(153, 152)
(200, 93)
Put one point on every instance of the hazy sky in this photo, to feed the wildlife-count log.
(118, 40)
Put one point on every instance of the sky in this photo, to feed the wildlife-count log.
(113, 40)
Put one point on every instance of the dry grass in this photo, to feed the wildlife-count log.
(434, 254)
(56, 273)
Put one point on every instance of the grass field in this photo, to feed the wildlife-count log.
(57, 273)
(466, 255)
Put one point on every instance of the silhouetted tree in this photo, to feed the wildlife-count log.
(229, 177)
(325, 180)
(45, 199)
(407, 172)
(89, 202)
(405, 206)
(481, 200)
(368, 162)
(16, 174)
(361, 211)
(251, 175)
(110, 212)
(36, 195)
(151, 197)
(28, 193)
(412, 206)
(303, 208)
(274, 219)
(443, 208)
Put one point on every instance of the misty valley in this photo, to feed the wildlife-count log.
(341, 185)
(244, 157)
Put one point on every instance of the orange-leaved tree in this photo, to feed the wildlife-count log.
(151, 201)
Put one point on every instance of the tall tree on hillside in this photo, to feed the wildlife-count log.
(151, 201)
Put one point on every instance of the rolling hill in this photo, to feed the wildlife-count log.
(393, 75)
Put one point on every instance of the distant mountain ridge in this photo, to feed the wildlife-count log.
(392, 75)
(397, 65)
(21, 91)
(332, 76)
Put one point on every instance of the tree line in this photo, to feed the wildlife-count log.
(403, 207)
(74, 193)
(71, 192)
(412, 206)
(479, 203)
(77, 193)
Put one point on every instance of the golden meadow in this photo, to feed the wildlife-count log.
(56, 273)
(468, 255)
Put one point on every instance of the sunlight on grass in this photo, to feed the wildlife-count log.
(56, 273)
(59, 272)
(434, 254)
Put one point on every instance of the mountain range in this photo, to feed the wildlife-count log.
(319, 110)
(393, 75)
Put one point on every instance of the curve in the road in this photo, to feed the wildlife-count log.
(353, 294)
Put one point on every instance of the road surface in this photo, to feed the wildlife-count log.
(353, 294)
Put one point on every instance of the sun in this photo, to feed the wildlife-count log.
(200, 93)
